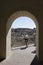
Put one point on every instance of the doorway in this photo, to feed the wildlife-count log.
(23, 32)
(8, 30)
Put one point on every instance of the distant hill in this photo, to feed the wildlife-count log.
(23, 31)
(18, 34)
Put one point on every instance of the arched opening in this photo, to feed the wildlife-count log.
(8, 30)
(23, 32)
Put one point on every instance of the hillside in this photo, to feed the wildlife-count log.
(18, 34)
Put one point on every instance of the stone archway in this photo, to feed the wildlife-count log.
(8, 30)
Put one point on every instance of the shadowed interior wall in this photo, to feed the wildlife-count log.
(7, 8)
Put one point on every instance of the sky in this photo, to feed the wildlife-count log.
(23, 22)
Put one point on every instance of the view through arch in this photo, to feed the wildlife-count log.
(23, 32)
(8, 29)
(23, 39)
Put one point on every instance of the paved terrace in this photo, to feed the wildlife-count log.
(22, 56)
